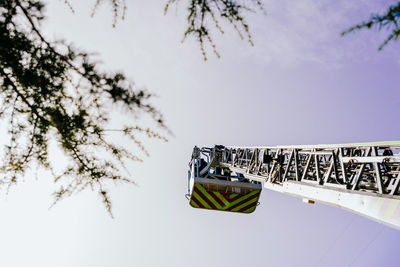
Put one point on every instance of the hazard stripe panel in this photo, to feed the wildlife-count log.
(212, 200)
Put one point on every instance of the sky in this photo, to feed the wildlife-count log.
(302, 83)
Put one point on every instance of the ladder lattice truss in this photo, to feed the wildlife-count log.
(361, 177)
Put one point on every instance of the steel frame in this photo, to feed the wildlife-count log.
(368, 167)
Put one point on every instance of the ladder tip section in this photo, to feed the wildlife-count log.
(360, 177)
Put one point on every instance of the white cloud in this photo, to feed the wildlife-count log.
(309, 31)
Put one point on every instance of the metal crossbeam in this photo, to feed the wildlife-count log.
(353, 167)
(370, 171)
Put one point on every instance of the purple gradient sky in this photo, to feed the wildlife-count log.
(301, 84)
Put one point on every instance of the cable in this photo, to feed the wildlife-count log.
(335, 241)
(367, 246)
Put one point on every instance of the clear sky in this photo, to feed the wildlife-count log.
(302, 83)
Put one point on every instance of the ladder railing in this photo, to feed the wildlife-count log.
(367, 167)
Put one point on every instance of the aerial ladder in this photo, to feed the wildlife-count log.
(360, 177)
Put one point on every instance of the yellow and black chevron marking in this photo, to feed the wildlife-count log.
(244, 203)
